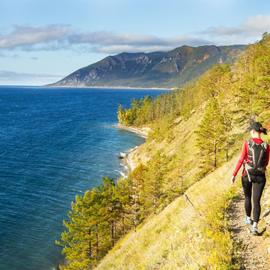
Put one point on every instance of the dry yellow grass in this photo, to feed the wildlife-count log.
(183, 145)
(175, 238)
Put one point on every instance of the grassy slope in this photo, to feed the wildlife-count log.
(179, 237)
(167, 240)
(176, 238)
(182, 131)
(173, 239)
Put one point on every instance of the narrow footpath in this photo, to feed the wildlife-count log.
(252, 252)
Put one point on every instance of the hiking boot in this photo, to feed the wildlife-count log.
(254, 230)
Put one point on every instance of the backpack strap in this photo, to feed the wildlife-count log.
(250, 143)
(251, 149)
(264, 145)
(263, 150)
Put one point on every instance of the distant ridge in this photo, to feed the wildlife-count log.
(155, 69)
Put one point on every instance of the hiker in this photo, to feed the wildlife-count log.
(255, 157)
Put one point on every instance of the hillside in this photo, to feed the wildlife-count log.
(171, 212)
(155, 69)
(174, 239)
(192, 233)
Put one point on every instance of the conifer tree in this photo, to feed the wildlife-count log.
(211, 136)
(91, 228)
(137, 194)
(110, 209)
(77, 239)
(154, 183)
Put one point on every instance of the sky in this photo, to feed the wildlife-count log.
(41, 41)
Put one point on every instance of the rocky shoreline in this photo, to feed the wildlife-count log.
(143, 131)
(128, 161)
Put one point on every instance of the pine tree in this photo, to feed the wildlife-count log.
(154, 183)
(110, 209)
(91, 228)
(211, 137)
(137, 194)
(77, 239)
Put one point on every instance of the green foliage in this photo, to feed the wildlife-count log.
(155, 179)
(227, 97)
(92, 227)
(213, 137)
(162, 129)
(137, 113)
(105, 213)
(252, 82)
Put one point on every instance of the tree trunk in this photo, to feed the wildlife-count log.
(112, 233)
(90, 243)
(97, 242)
(215, 155)
(123, 224)
(227, 152)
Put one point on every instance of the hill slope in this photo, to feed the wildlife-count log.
(192, 232)
(156, 69)
(173, 239)
(169, 213)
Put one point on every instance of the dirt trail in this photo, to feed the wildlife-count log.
(253, 252)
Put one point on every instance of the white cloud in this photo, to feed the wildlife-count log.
(105, 42)
(251, 28)
(56, 37)
(64, 37)
(111, 39)
(25, 36)
(257, 24)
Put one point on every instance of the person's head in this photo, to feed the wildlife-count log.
(256, 129)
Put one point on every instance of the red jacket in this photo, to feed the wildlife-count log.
(244, 156)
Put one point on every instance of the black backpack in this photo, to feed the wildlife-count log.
(257, 158)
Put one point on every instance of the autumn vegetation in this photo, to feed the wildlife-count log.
(196, 131)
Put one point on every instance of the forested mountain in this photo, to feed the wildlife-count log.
(170, 212)
(156, 69)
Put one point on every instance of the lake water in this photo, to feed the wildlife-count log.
(54, 144)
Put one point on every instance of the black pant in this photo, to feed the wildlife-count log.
(254, 188)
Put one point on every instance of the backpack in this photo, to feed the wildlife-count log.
(256, 157)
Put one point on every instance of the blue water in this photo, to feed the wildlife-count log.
(54, 144)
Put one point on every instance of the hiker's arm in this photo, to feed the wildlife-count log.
(267, 154)
(241, 159)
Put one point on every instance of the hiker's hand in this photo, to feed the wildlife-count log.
(233, 179)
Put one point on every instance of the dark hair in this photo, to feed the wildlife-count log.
(257, 126)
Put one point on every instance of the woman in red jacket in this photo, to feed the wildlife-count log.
(255, 157)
